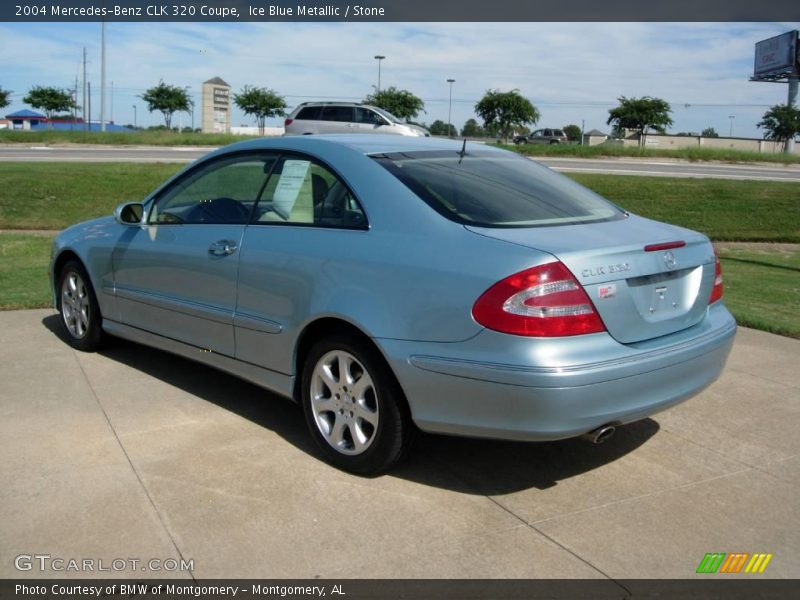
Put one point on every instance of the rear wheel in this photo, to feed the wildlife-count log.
(354, 408)
(80, 313)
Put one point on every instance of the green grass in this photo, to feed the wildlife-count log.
(723, 209)
(23, 270)
(55, 195)
(762, 288)
(144, 138)
(618, 150)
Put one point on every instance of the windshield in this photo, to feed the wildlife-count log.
(496, 189)
(388, 115)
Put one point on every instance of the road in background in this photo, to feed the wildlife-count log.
(612, 166)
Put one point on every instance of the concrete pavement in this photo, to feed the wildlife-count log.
(134, 453)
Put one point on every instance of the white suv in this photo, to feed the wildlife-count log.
(346, 117)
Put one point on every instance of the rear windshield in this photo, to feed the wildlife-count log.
(496, 189)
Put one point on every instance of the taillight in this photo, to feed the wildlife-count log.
(545, 301)
(716, 291)
(287, 122)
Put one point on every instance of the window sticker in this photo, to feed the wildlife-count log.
(291, 180)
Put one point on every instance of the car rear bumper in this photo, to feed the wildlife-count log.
(516, 388)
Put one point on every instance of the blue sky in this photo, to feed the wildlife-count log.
(570, 71)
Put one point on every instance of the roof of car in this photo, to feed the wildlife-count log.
(362, 143)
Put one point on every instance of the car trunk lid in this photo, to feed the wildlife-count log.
(639, 293)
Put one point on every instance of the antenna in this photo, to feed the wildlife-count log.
(463, 151)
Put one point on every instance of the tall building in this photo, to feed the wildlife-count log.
(216, 106)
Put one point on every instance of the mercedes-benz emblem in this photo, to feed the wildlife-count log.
(670, 260)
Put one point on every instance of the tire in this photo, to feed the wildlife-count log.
(81, 320)
(360, 422)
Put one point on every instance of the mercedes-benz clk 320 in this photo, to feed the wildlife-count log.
(390, 284)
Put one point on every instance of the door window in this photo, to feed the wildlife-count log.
(223, 191)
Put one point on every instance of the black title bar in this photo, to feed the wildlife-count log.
(399, 10)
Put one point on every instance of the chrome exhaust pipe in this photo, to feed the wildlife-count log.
(599, 435)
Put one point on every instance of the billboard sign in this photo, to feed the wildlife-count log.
(776, 57)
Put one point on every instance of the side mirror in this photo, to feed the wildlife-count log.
(129, 213)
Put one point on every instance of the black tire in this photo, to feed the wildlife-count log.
(387, 442)
(81, 320)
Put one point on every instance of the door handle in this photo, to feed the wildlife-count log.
(222, 248)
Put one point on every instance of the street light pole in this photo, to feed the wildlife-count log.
(379, 58)
(103, 76)
(450, 109)
(134, 117)
(731, 117)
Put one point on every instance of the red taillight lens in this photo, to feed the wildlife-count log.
(287, 122)
(716, 291)
(545, 301)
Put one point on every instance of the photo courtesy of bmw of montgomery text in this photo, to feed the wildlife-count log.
(390, 283)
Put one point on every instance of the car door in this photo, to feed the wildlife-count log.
(368, 121)
(307, 225)
(176, 275)
(338, 119)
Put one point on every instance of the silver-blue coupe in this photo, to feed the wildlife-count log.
(390, 284)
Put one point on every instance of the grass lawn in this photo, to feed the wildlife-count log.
(23, 270)
(723, 209)
(55, 195)
(616, 150)
(142, 138)
(762, 288)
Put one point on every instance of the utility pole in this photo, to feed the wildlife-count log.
(791, 100)
(111, 116)
(83, 89)
(75, 103)
(103, 76)
(450, 109)
(583, 128)
(89, 88)
(379, 58)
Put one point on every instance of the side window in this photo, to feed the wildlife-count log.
(537, 133)
(548, 132)
(309, 113)
(338, 113)
(304, 192)
(364, 115)
(221, 192)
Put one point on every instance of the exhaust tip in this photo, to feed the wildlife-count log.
(599, 435)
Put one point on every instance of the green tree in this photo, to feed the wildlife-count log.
(167, 99)
(782, 123)
(4, 98)
(573, 133)
(260, 103)
(401, 103)
(709, 132)
(472, 129)
(641, 114)
(505, 110)
(51, 100)
(441, 128)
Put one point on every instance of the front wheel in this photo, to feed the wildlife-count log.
(354, 408)
(80, 313)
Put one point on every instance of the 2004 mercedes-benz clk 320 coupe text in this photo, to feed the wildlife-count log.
(389, 283)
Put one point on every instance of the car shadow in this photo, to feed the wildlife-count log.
(470, 466)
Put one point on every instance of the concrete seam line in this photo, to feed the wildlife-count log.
(130, 462)
(559, 544)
